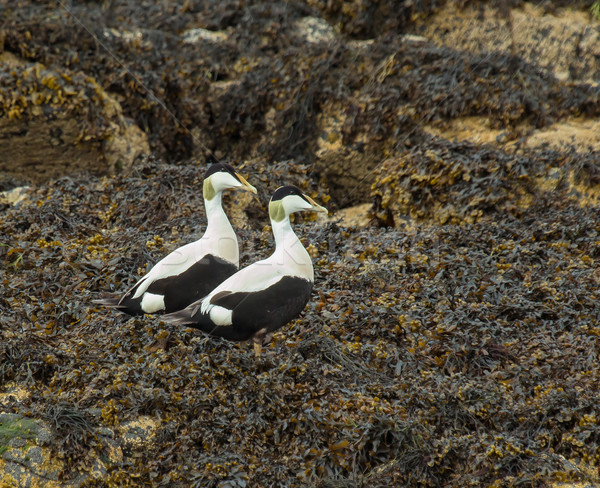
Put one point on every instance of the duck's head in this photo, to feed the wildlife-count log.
(222, 176)
(289, 199)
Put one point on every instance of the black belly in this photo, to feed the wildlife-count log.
(194, 283)
(268, 309)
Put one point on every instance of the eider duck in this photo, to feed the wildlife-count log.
(266, 295)
(191, 271)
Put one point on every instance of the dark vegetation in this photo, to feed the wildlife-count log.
(451, 354)
(458, 348)
(258, 94)
(459, 182)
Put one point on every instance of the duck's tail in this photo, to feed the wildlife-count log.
(110, 302)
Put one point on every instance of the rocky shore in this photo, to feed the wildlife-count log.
(452, 336)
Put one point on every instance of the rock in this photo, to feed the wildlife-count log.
(23, 463)
(54, 123)
(364, 18)
(26, 455)
(27, 460)
(347, 169)
(565, 43)
(137, 434)
(14, 196)
(127, 142)
(579, 132)
(475, 129)
(193, 36)
(98, 470)
(355, 216)
(314, 30)
(133, 38)
(439, 183)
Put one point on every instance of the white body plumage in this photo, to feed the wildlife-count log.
(193, 270)
(267, 294)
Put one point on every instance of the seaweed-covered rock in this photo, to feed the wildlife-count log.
(456, 348)
(451, 183)
(341, 86)
(23, 462)
(431, 354)
(565, 42)
(362, 19)
(59, 122)
(459, 182)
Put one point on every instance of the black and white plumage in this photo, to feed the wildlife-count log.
(193, 270)
(266, 295)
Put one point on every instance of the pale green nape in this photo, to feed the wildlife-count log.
(276, 211)
(208, 190)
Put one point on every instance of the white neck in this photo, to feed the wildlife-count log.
(290, 252)
(219, 234)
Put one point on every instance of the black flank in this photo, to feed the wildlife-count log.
(194, 283)
(271, 308)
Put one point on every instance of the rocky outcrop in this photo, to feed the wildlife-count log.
(340, 86)
(565, 42)
(57, 122)
(28, 459)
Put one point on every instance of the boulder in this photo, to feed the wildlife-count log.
(565, 42)
(57, 122)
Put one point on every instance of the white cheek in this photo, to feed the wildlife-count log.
(221, 181)
(294, 203)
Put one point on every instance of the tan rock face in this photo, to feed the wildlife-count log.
(347, 168)
(566, 42)
(56, 123)
(579, 132)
